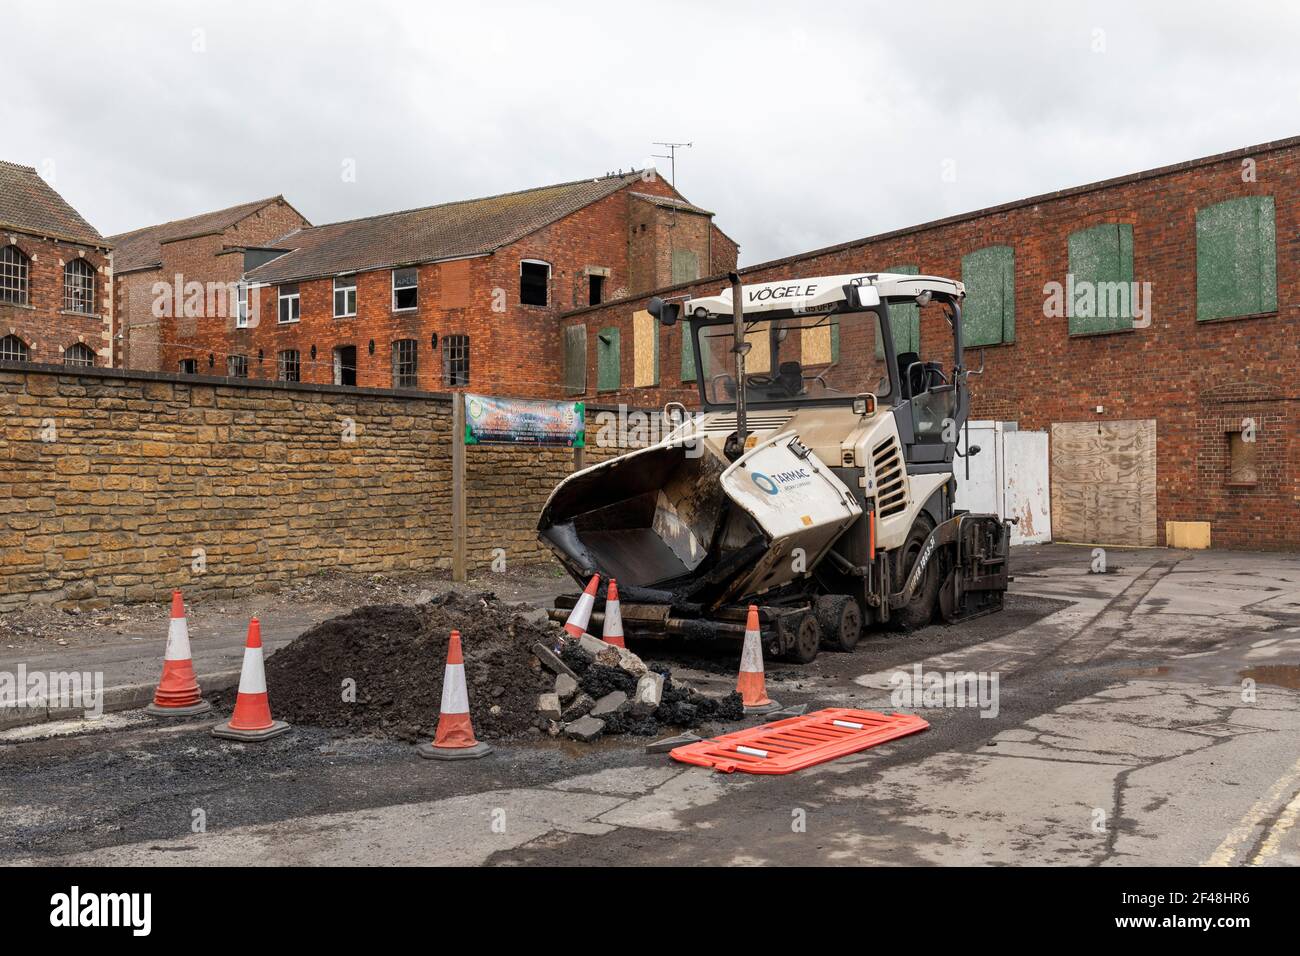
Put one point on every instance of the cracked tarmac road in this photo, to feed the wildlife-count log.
(1152, 719)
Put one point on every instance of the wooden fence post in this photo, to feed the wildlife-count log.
(459, 530)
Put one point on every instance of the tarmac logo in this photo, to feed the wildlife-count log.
(73, 909)
(773, 484)
(67, 689)
(945, 689)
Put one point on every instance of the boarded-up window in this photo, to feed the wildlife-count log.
(688, 354)
(905, 319)
(989, 312)
(575, 359)
(645, 349)
(686, 266)
(608, 373)
(1101, 262)
(454, 280)
(1243, 468)
(1236, 258)
(759, 359)
(820, 345)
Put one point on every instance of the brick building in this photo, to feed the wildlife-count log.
(174, 277)
(1198, 384)
(56, 277)
(459, 294)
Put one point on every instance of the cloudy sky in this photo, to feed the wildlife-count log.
(811, 123)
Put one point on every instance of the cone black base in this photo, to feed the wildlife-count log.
(193, 710)
(277, 728)
(430, 752)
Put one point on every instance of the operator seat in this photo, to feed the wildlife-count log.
(789, 378)
(913, 382)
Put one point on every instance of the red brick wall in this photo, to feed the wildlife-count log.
(158, 344)
(514, 348)
(1190, 376)
(723, 252)
(42, 323)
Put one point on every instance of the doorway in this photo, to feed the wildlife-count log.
(345, 365)
(1104, 482)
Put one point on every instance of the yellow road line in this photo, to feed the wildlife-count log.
(1243, 831)
(1284, 823)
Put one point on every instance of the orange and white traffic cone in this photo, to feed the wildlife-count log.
(252, 717)
(178, 693)
(454, 739)
(612, 633)
(580, 616)
(751, 684)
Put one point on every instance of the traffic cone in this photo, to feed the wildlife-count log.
(580, 616)
(252, 717)
(751, 684)
(454, 739)
(178, 693)
(613, 630)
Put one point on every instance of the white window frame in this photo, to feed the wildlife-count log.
(16, 269)
(416, 287)
(281, 363)
(455, 346)
(414, 362)
(295, 309)
(345, 290)
(535, 262)
(241, 306)
(83, 286)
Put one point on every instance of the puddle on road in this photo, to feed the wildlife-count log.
(1279, 675)
(1143, 671)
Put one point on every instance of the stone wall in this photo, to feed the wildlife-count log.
(123, 485)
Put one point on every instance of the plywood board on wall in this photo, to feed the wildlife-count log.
(645, 349)
(1104, 482)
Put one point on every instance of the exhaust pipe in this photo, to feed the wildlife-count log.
(741, 348)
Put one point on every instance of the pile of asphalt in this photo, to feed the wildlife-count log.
(682, 707)
(378, 670)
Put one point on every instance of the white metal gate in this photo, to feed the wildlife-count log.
(1009, 478)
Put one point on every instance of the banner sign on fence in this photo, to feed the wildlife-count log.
(514, 421)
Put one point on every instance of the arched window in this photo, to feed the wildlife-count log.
(79, 355)
(13, 275)
(79, 287)
(14, 349)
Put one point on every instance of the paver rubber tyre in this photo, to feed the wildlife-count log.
(801, 636)
(840, 619)
(920, 610)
